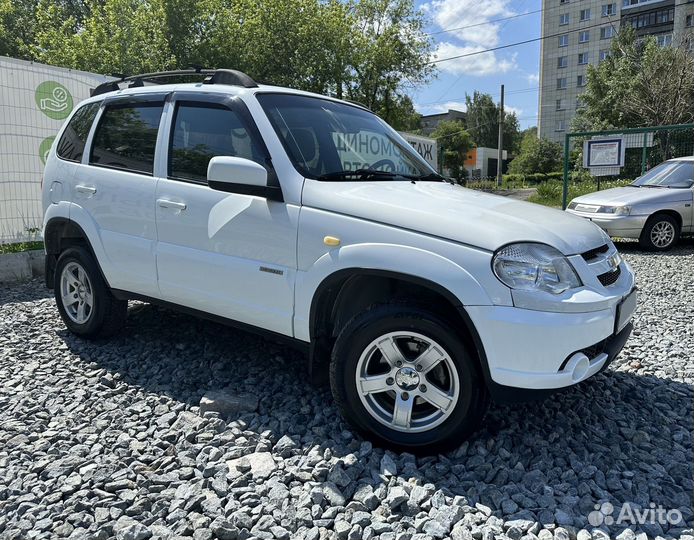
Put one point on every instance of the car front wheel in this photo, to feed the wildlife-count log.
(402, 375)
(660, 233)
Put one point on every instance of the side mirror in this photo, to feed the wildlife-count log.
(240, 175)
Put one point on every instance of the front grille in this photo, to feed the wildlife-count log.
(593, 253)
(611, 277)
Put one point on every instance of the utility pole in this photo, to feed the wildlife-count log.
(500, 158)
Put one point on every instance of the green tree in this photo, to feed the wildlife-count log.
(20, 21)
(371, 51)
(121, 36)
(454, 142)
(298, 43)
(16, 27)
(390, 53)
(482, 119)
(639, 84)
(536, 155)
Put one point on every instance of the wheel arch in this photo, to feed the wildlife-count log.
(59, 234)
(348, 291)
(667, 212)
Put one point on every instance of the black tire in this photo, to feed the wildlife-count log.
(107, 315)
(466, 414)
(662, 221)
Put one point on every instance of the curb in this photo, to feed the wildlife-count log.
(21, 266)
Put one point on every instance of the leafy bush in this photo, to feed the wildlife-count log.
(550, 189)
(20, 246)
(537, 155)
(550, 192)
(531, 178)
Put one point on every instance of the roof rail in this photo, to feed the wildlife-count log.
(212, 76)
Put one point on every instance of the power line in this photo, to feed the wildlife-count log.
(518, 15)
(455, 82)
(518, 43)
(533, 89)
(510, 17)
(496, 94)
(479, 126)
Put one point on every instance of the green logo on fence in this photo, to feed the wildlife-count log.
(54, 100)
(45, 148)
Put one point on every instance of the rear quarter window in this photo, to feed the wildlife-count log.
(71, 144)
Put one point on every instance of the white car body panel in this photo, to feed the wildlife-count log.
(209, 255)
(262, 262)
(535, 343)
(462, 215)
(373, 246)
(123, 214)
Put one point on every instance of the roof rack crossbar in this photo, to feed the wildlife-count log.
(212, 76)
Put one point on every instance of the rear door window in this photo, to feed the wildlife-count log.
(126, 137)
(71, 144)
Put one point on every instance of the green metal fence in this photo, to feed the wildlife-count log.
(645, 147)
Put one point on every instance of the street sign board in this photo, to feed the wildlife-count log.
(604, 152)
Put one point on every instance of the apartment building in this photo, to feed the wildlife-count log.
(579, 32)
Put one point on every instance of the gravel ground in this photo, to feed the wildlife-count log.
(103, 440)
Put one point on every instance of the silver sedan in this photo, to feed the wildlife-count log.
(656, 208)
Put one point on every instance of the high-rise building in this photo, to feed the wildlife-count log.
(579, 32)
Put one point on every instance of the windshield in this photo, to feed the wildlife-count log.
(673, 174)
(326, 139)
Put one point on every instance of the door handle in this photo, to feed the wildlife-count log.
(89, 190)
(166, 203)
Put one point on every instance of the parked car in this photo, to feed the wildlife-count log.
(656, 208)
(309, 219)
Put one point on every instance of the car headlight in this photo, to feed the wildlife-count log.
(616, 210)
(572, 205)
(529, 266)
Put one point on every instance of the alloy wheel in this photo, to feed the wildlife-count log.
(76, 293)
(662, 234)
(407, 381)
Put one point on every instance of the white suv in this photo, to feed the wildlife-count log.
(310, 219)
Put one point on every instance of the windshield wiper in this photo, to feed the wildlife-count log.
(433, 177)
(357, 174)
(373, 174)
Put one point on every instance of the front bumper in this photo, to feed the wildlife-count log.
(528, 352)
(615, 226)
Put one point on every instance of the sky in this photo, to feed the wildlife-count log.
(516, 67)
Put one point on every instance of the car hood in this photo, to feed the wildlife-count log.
(456, 213)
(633, 195)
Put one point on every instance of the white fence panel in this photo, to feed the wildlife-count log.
(35, 99)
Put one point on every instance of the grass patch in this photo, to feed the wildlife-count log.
(550, 193)
(19, 247)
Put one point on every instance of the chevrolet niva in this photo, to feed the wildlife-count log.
(310, 219)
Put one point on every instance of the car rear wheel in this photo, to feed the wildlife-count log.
(84, 301)
(660, 233)
(402, 375)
